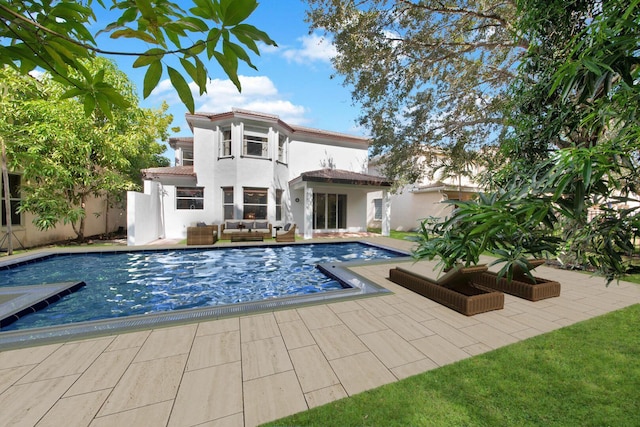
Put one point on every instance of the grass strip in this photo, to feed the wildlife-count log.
(587, 374)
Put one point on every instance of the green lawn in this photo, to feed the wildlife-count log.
(400, 235)
(587, 374)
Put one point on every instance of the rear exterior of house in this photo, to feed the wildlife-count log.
(244, 165)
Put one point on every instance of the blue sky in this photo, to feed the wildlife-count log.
(292, 80)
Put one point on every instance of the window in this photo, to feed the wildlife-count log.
(279, 205)
(377, 206)
(189, 198)
(255, 144)
(187, 158)
(282, 148)
(227, 202)
(14, 199)
(225, 143)
(255, 203)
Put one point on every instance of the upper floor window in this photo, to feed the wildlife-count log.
(282, 148)
(255, 203)
(225, 143)
(189, 198)
(227, 202)
(14, 200)
(255, 144)
(187, 158)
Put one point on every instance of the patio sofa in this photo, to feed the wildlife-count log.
(230, 227)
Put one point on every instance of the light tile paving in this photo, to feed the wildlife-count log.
(243, 371)
(208, 394)
(361, 372)
(313, 370)
(296, 334)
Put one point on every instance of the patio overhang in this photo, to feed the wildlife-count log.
(341, 178)
(174, 175)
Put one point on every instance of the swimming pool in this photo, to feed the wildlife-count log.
(141, 283)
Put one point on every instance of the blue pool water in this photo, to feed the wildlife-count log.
(125, 284)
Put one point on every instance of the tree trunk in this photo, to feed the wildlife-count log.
(7, 198)
(82, 219)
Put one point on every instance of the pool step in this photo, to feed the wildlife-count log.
(18, 301)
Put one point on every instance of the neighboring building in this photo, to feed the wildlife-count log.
(249, 165)
(100, 219)
(414, 203)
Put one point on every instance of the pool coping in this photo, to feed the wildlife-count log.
(340, 271)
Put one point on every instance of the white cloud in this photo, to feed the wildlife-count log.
(164, 88)
(315, 48)
(259, 94)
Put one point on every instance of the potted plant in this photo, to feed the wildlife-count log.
(516, 228)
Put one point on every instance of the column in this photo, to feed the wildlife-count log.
(386, 213)
(308, 212)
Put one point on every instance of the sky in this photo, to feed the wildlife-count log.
(293, 80)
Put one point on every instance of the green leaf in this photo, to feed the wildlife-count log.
(239, 52)
(253, 33)
(194, 24)
(236, 11)
(133, 34)
(146, 9)
(189, 68)
(212, 41)
(201, 75)
(104, 104)
(72, 93)
(197, 48)
(151, 78)
(245, 40)
(181, 86)
(89, 104)
(150, 56)
(229, 68)
(205, 9)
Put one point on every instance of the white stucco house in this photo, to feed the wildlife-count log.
(254, 166)
(413, 203)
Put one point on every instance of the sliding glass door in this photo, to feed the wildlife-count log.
(329, 211)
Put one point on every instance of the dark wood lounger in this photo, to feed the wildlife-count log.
(457, 289)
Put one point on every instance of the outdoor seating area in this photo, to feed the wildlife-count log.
(239, 231)
(474, 290)
(230, 227)
(456, 289)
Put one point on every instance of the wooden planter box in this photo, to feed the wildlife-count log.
(521, 287)
(464, 298)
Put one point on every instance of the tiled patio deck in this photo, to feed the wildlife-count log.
(247, 370)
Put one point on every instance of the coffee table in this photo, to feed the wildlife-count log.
(247, 237)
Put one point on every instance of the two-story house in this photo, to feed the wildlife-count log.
(248, 165)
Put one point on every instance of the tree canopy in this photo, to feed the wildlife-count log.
(65, 156)
(569, 184)
(427, 74)
(55, 36)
